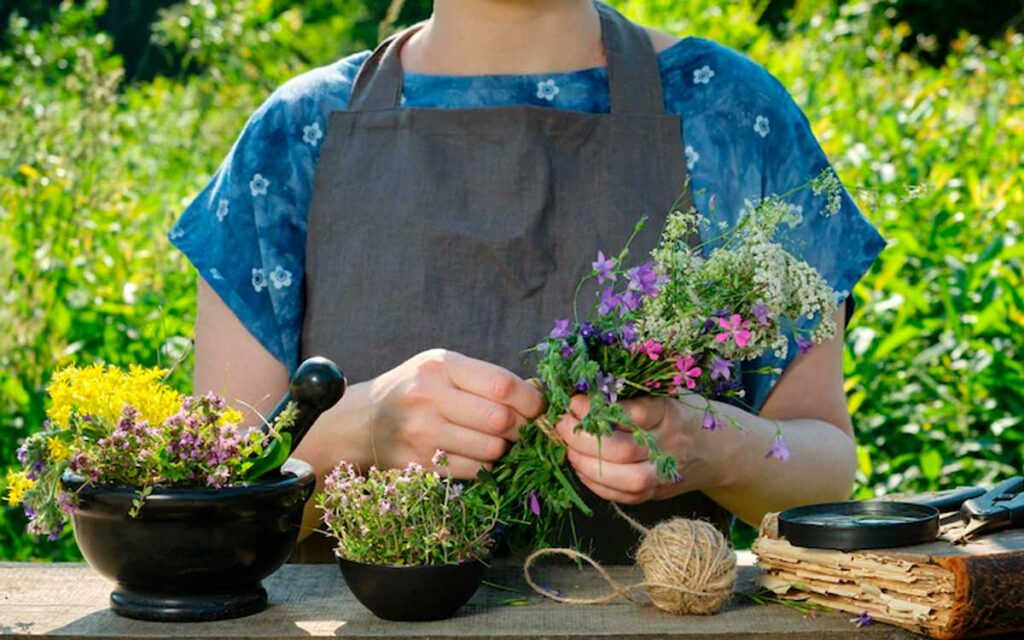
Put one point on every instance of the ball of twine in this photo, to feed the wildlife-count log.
(688, 566)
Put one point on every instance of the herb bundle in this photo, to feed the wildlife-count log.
(680, 324)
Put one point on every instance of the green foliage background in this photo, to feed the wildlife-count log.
(95, 166)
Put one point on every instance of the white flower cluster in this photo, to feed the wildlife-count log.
(737, 301)
(827, 183)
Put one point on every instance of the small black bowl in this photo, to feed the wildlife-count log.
(191, 554)
(413, 593)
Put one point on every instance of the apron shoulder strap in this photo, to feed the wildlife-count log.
(634, 78)
(378, 85)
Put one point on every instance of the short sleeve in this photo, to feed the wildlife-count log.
(245, 233)
(833, 237)
(241, 236)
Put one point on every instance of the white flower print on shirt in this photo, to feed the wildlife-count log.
(176, 233)
(762, 127)
(547, 89)
(311, 134)
(280, 277)
(691, 157)
(258, 185)
(222, 209)
(703, 75)
(215, 274)
(259, 279)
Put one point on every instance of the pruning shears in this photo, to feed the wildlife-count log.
(1000, 508)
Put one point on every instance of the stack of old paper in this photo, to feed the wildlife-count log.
(904, 589)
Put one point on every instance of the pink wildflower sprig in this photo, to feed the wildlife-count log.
(734, 328)
(688, 374)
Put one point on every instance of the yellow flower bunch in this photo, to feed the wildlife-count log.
(57, 449)
(102, 391)
(231, 416)
(164, 439)
(17, 484)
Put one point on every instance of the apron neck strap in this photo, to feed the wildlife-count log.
(634, 78)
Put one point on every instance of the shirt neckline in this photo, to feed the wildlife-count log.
(665, 57)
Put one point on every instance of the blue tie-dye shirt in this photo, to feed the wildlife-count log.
(745, 138)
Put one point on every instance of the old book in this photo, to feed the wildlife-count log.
(937, 589)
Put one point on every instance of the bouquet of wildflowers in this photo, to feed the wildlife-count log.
(113, 427)
(407, 517)
(680, 324)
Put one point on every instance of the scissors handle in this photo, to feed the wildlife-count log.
(944, 501)
(1001, 507)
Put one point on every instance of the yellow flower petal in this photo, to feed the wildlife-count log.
(102, 391)
(17, 484)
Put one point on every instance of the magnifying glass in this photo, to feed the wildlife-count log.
(872, 524)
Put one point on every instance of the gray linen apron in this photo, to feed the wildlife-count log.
(469, 229)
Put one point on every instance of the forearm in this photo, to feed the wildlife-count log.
(341, 433)
(730, 463)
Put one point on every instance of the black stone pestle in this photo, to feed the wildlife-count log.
(316, 386)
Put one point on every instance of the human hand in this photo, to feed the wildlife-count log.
(441, 399)
(620, 472)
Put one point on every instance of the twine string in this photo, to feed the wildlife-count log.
(664, 570)
(672, 555)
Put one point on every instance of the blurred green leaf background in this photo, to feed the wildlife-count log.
(116, 113)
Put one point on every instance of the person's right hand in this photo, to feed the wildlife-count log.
(444, 400)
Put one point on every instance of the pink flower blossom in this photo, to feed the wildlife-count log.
(688, 372)
(651, 349)
(736, 328)
(440, 458)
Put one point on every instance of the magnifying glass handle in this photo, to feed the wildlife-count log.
(317, 385)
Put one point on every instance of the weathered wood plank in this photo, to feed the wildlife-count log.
(70, 601)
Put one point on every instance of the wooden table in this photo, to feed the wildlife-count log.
(70, 601)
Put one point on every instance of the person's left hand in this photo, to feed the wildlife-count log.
(622, 473)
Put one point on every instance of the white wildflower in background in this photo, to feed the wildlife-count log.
(827, 183)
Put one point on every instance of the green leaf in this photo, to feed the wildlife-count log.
(273, 457)
(931, 464)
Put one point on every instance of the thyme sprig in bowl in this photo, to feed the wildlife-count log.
(410, 542)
